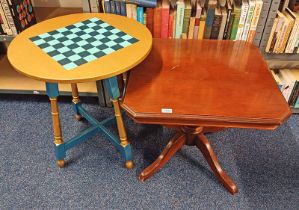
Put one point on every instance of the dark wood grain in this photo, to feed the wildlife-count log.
(209, 85)
(205, 83)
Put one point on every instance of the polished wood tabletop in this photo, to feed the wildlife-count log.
(203, 86)
(29, 59)
(226, 84)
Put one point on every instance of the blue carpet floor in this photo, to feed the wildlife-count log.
(264, 165)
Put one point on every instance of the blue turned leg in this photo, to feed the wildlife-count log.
(52, 92)
(76, 101)
(126, 151)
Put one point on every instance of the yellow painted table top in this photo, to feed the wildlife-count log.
(27, 58)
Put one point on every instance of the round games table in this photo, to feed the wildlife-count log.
(82, 48)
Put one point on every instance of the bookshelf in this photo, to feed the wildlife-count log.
(276, 61)
(13, 82)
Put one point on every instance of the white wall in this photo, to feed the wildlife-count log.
(57, 3)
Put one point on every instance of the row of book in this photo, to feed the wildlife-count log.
(15, 16)
(284, 36)
(192, 19)
(288, 82)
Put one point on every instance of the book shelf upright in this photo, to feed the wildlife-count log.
(275, 61)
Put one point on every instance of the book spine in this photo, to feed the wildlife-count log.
(179, 19)
(140, 12)
(94, 6)
(150, 19)
(244, 10)
(292, 40)
(201, 29)
(235, 25)
(222, 26)
(4, 23)
(191, 28)
(157, 22)
(107, 6)
(280, 36)
(278, 29)
(209, 22)
(285, 37)
(129, 10)
(187, 15)
(123, 9)
(248, 20)
(271, 37)
(170, 24)
(164, 22)
(255, 20)
(297, 103)
(9, 18)
(228, 20)
(295, 95)
(1, 26)
(117, 7)
(86, 6)
(112, 7)
(216, 27)
(143, 3)
(230, 26)
(197, 21)
(134, 11)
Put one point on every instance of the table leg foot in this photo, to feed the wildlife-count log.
(78, 117)
(172, 147)
(205, 147)
(60, 163)
(129, 164)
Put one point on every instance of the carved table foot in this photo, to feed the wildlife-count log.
(191, 136)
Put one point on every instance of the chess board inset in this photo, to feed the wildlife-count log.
(82, 42)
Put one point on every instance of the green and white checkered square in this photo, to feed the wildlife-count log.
(82, 42)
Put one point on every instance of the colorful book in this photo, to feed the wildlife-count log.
(281, 34)
(187, 15)
(164, 18)
(117, 7)
(5, 25)
(23, 16)
(244, 11)
(202, 24)
(223, 22)
(9, 17)
(255, 19)
(143, 3)
(216, 24)
(294, 34)
(197, 20)
(140, 16)
(191, 28)
(248, 19)
(107, 7)
(179, 19)
(228, 19)
(171, 20)
(272, 34)
(235, 24)
(123, 8)
(150, 19)
(285, 37)
(210, 18)
(157, 20)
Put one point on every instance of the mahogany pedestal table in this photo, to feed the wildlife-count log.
(203, 86)
(82, 48)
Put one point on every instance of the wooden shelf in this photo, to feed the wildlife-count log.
(13, 82)
(282, 61)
